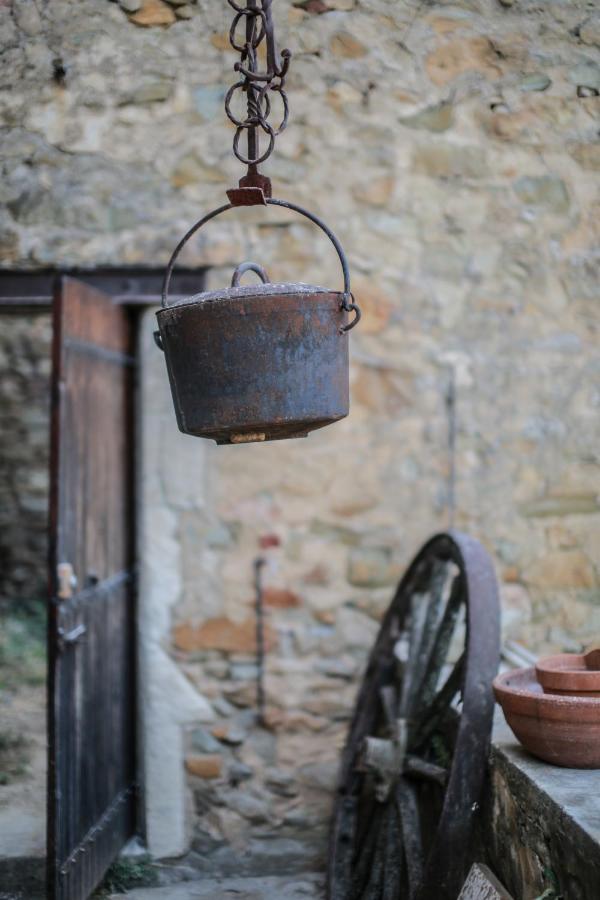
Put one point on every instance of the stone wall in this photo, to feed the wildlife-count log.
(454, 149)
(24, 452)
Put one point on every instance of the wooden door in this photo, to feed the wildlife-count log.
(91, 686)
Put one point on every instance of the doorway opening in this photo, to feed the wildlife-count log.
(25, 342)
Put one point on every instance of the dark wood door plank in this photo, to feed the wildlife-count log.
(91, 703)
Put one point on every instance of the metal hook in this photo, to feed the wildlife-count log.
(350, 307)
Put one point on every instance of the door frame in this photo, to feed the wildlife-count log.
(137, 288)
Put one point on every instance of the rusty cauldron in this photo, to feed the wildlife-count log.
(257, 362)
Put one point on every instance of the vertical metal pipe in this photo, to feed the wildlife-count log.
(451, 410)
(259, 562)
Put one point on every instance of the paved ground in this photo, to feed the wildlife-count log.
(22, 812)
(294, 887)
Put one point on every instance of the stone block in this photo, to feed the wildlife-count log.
(153, 13)
(255, 809)
(435, 118)
(536, 81)
(460, 55)
(354, 630)
(320, 775)
(221, 634)
(375, 192)
(203, 742)
(372, 567)
(562, 505)
(229, 733)
(449, 161)
(281, 598)
(27, 17)
(587, 155)
(586, 75)
(545, 191)
(130, 6)
(208, 101)
(561, 570)
(346, 46)
(207, 766)
(589, 30)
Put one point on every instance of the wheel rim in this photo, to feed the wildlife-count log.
(414, 761)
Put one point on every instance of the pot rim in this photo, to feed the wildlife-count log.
(250, 291)
(522, 700)
(555, 671)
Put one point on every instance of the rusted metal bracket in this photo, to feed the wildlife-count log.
(253, 190)
(247, 196)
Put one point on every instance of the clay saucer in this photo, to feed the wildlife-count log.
(574, 674)
(564, 731)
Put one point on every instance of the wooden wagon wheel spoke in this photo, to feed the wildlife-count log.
(389, 702)
(423, 626)
(433, 715)
(421, 768)
(441, 643)
(414, 758)
(375, 876)
(443, 607)
(434, 613)
(417, 626)
(394, 858)
(410, 825)
(346, 827)
(365, 854)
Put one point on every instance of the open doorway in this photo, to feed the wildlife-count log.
(25, 342)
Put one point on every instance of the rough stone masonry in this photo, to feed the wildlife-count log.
(454, 147)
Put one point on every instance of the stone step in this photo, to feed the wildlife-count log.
(309, 886)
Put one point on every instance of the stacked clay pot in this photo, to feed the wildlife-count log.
(554, 709)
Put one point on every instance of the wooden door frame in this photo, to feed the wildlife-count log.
(134, 286)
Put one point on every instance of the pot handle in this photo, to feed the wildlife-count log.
(348, 298)
(249, 267)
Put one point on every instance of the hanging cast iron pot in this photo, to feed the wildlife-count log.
(257, 362)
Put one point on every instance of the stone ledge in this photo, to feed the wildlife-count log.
(540, 823)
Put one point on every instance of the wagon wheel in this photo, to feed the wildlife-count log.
(415, 757)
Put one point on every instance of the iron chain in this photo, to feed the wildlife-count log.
(258, 86)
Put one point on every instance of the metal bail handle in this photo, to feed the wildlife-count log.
(348, 303)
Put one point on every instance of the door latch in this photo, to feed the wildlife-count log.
(67, 638)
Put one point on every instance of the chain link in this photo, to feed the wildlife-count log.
(258, 86)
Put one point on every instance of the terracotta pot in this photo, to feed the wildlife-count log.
(564, 731)
(574, 674)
